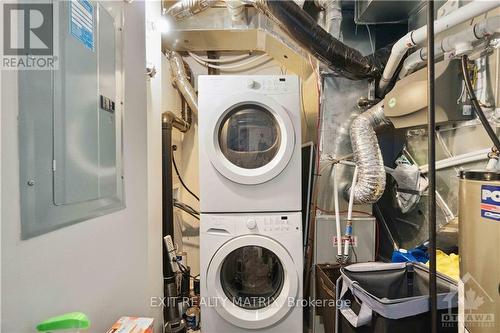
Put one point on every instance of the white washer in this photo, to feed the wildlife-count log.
(251, 273)
(250, 143)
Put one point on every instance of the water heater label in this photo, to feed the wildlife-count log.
(490, 202)
(82, 22)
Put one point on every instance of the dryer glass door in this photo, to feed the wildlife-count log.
(251, 139)
(249, 136)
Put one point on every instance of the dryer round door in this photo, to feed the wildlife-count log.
(250, 281)
(251, 139)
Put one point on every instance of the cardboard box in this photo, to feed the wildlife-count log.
(132, 325)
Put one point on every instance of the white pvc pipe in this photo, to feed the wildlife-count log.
(474, 156)
(492, 164)
(416, 37)
(232, 67)
(337, 211)
(454, 45)
(349, 209)
(221, 60)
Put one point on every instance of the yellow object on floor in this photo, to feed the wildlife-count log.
(447, 264)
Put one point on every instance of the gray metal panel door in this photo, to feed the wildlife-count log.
(76, 140)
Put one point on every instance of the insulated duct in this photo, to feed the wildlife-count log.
(370, 184)
(180, 78)
(305, 31)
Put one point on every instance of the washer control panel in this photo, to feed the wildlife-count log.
(253, 223)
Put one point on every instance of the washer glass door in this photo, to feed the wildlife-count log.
(251, 280)
(252, 277)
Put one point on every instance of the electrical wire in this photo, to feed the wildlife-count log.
(220, 61)
(475, 103)
(188, 212)
(180, 179)
(235, 66)
(186, 207)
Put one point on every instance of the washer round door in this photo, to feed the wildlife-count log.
(250, 281)
(252, 139)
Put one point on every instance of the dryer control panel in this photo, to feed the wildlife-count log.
(268, 84)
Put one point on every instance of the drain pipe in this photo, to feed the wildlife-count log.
(416, 37)
(173, 322)
(181, 81)
(370, 183)
(454, 45)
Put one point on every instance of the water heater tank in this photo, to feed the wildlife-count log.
(479, 240)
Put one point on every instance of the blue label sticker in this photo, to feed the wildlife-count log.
(82, 22)
(490, 202)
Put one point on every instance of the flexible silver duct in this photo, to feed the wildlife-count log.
(179, 77)
(367, 155)
(186, 8)
(236, 9)
(332, 15)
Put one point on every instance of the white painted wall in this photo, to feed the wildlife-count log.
(154, 111)
(101, 266)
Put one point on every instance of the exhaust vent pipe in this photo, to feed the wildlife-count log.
(301, 27)
(185, 8)
(181, 81)
(370, 184)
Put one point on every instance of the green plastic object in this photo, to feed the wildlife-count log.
(66, 321)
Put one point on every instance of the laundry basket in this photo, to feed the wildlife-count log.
(326, 277)
(393, 298)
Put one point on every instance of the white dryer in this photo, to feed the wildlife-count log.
(250, 143)
(251, 273)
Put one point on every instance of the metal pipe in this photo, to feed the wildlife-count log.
(185, 8)
(176, 122)
(181, 81)
(370, 183)
(333, 15)
(454, 45)
(431, 157)
(416, 37)
(236, 9)
(475, 103)
(167, 198)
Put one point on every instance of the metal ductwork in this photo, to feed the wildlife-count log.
(181, 81)
(186, 8)
(236, 9)
(301, 27)
(332, 12)
(370, 184)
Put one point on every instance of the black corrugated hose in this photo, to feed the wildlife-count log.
(475, 103)
(339, 57)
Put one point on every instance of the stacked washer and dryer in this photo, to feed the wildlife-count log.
(250, 197)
